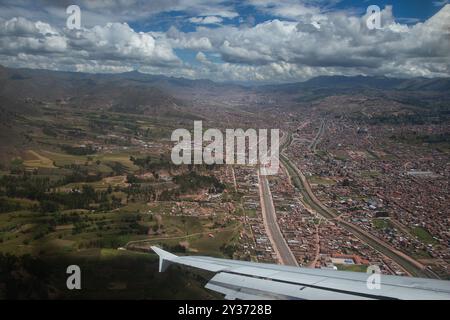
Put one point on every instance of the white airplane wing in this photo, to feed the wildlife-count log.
(255, 281)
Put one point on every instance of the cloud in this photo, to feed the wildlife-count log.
(100, 12)
(183, 40)
(108, 45)
(206, 20)
(117, 41)
(306, 40)
(285, 8)
(201, 57)
(20, 35)
(293, 9)
(334, 44)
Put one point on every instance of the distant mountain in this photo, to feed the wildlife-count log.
(358, 82)
(423, 84)
(49, 85)
(137, 92)
(82, 90)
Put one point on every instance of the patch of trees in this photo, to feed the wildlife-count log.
(153, 164)
(174, 248)
(192, 181)
(42, 230)
(48, 206)
(169, 195)
(228, 250)
(42, 189)
(25, 186)
(131, 178)
(78, 199)
(136, 228)
(71, 218)
(118, 168)
(7, 205)
(38, 188)
(28, 184)
(140, 191)
(49, 132)
(80, 175)
(79, 227)
(16, 166)
(101, 125)
(77, 150)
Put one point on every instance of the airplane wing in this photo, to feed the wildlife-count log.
(257, 281)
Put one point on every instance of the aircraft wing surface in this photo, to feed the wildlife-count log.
(255, 281)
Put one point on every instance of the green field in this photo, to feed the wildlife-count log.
(352, 267)
(382, 224)
(423, 235)
(320, 180)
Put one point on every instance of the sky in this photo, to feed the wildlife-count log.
(264, 41)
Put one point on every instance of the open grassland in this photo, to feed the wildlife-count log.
(36, 160)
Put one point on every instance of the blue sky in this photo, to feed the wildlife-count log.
(251, 40)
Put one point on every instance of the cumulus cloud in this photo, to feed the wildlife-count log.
(183, 40)
(94, 48)
(337, 43)
(117, 41)
(201, 57)
(206, 20)
(20, 35)
(305, 40)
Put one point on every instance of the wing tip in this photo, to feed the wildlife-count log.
(165, 258)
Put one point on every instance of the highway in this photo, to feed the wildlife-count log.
(281, 248)
(408, 264)
(313, 144)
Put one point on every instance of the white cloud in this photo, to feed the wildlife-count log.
(206, 20)
(93, 47)
(287, 50)
(292, 9)
(119, 41)
(100, 12)
(308, 43)
(201, 57)
(183, 40)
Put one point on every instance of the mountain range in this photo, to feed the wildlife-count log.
(137, 92)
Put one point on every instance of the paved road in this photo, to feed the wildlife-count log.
(274, 233)
(313, 144)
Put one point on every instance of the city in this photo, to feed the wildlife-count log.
(118, 137)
